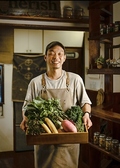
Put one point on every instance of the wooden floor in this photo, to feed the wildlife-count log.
(17, 159)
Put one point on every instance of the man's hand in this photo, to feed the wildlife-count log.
(23, 125)
(87, 121)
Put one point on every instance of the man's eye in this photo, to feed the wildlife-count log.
(60, 54)
(51, 53)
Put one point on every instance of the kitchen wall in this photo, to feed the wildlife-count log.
(6, 121)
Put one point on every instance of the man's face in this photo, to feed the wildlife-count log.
(55, 57)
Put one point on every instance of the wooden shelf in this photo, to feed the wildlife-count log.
(105, 13)
(101, 112)
(37, 22)
(110, 35)
(105, 36)
(104, 151)
(113, 71)
(109, 111)
(84, 20)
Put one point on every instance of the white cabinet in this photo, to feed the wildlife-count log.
(68, 38)
(28, 41)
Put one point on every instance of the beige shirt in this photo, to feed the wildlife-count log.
(76, 86)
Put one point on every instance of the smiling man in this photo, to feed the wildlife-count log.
(69, 88)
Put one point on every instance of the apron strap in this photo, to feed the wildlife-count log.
(67, 80)
(44, 82)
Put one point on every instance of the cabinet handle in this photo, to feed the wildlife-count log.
(30, 50)
(26, 50)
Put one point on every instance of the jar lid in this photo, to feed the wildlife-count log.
(96, 133)
(68, 8)
(108, 138)
(115, 141)
(79, 9)
(102, 135)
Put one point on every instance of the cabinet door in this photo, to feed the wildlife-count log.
(27, 41)
(20, 40)
(68, 38)
(35, 41)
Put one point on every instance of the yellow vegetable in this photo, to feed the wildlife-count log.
(51, 125)
(46, 128)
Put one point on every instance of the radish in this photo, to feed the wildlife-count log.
(68, 126)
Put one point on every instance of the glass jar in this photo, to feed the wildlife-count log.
(115, 145)
(68, 12)
(79, 12)
(108, 143)
(96, 138)
(102, 140)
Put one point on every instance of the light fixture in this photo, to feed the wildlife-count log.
(72, 55)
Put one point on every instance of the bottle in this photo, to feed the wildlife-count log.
(102, 140)
(108, 143)
(115, 145)
(96, 138)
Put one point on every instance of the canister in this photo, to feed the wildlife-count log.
(79, 12)
(108, 143)
(115, 145)
(96, 138)
(102, 140)
(68, 12)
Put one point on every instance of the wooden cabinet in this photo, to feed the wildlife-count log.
(104, 11)
(105, 118)
(28, 41)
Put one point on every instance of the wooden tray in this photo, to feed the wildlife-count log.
(60, 138)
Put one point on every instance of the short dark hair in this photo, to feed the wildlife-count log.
(53, 44)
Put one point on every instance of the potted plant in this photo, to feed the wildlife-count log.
(100, 62)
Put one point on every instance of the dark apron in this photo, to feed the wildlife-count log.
(62, 155)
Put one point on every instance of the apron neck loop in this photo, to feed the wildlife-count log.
(44, 82)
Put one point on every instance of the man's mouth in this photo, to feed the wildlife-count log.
(55, 62)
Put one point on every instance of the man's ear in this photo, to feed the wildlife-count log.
(45, 57)
(64, 57)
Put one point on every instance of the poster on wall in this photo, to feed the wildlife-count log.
(25, 67)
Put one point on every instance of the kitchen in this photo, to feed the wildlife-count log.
(92, 82)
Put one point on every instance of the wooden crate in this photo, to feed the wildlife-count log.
(59, 138)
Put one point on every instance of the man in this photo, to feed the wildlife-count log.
(69, 88)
